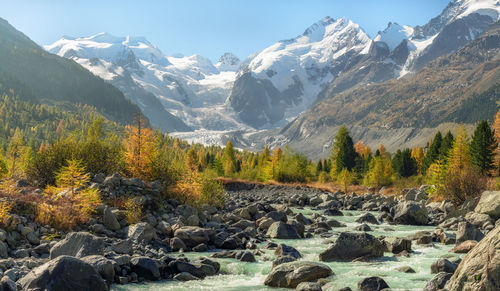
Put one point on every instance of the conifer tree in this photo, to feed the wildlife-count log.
(15, 151)
(418, 154)
(140, 150)
(460, 153)
(343, 152)
(432, 154)
(229, 159)
(446, 145)
(482, 147)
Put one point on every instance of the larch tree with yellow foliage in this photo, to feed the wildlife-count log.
(496, 127)
(139, 148)
(418, 154)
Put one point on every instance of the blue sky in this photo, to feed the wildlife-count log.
(204, 27)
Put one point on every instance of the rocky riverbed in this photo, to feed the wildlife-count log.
(265, 237)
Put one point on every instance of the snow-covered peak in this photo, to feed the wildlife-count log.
(320, 44)
(228, 62)
(464, 8)
(394, 34)
(108, 47)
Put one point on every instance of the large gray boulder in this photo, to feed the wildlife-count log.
(408, 212)
(467, 231)
(396, 245)
(192, 235)
(145, 267)
(109, 220)
(480, 268)
(289, 275)
(489, 203)
(282, 230)
(372, 284)
(78, 244)
(62, 274)
(104, 266)
(350, 246)
(141, 232)
(438, 281)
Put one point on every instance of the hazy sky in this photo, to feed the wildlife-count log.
(205, 27)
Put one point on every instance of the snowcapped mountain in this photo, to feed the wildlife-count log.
(401, 50)
(280, 82)
(179, 93)
(273, 86)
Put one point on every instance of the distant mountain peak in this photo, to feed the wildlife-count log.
(394, 34)
(228, 62)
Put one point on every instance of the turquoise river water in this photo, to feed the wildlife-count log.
(236, 275)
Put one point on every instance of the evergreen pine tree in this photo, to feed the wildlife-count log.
(482, 147)
(433, 153)
(343, 152)
(446, 146)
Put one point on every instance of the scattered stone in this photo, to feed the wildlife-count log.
(284, 250)
(282, 230)
(289, 275)
(396, 245)
(438, 281)
(109, 220)
(63, 273)
(103, 266)
(443, 265)
(489, 204)
(350, 246)
(185, 276)
(141, 232)
(464, 247)
(367, 218)
(145, 267)
(480, 268)
(408, 212)
(78, 244)
(308, 286)
(192, 235)
(405, 269)
(372, 284)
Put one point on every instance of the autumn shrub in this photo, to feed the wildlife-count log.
(5, 208)
(212, 191)
(70, 202)
(465, 184)
(133, 210)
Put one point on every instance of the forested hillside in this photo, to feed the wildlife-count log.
(41, 77)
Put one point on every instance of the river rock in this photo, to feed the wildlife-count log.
(408, 212)
(283, 259)
(122, 247)
(464, 247)
(367, 218)
(489, 203)
(443, 265)
(103, 266)
(192, 235)
(372, 284)
(467, 231)
(284, 250)
(282, 230)
(396, 245)
(308, 286)
(438, 281)
(185, 276)
(480, 268)
(78, 244)
(245, 256)
(289, 275)
(478, 219)
(109, 219)
(62, 274)
(350, 246)
(141, 232)
(145, 267)
(177, 244)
